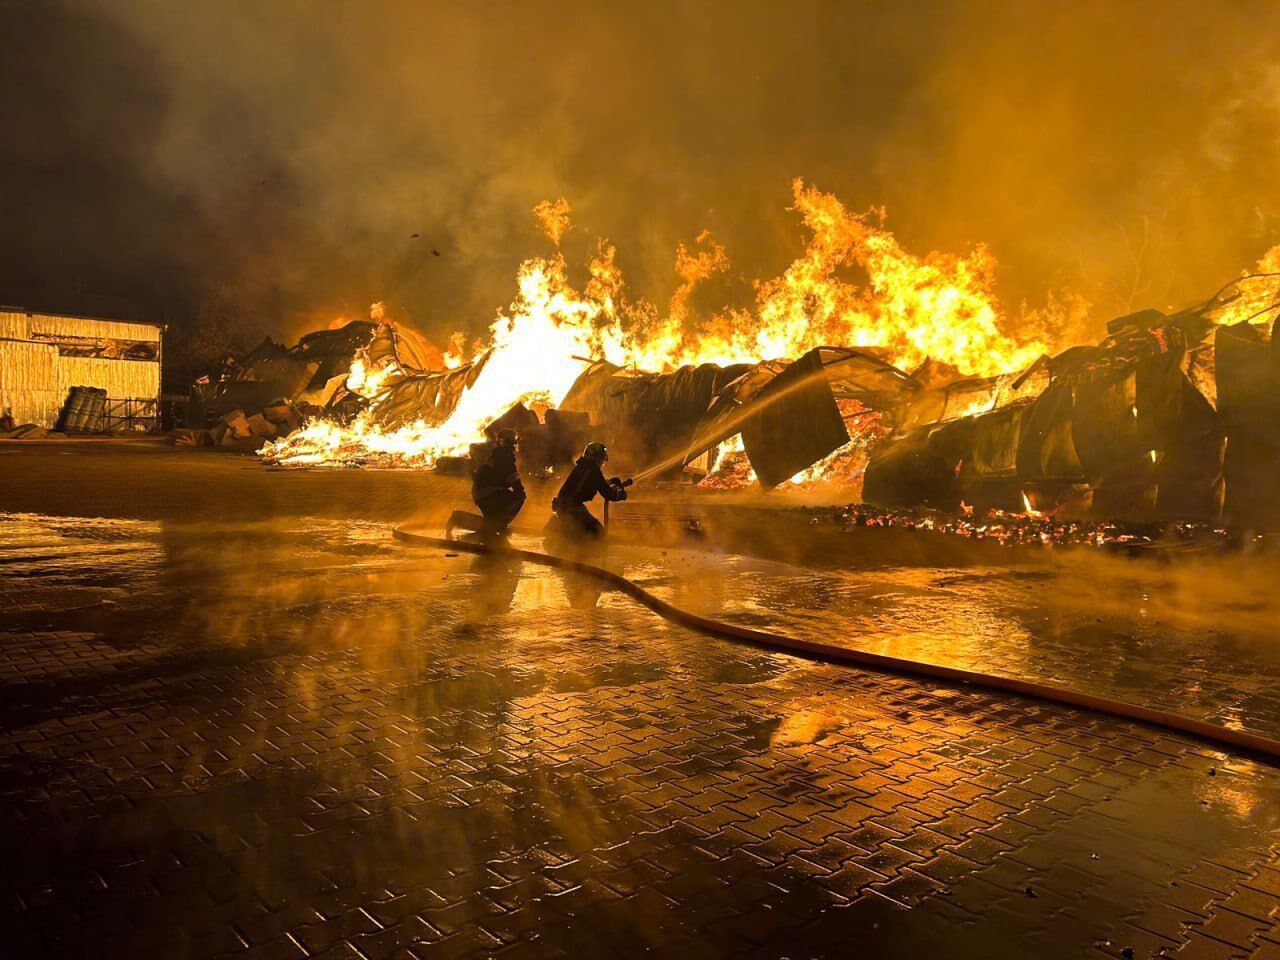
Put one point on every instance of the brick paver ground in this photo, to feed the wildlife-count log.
(302, 740)
(1196, 637)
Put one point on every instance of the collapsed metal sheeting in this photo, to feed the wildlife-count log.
(1169, 417)
(328, 354)
(991, 459)
(648, 416)
(829, 374)
(1248, 394)
(798, 396)
(312, 374)
(275, 364)
(428, 397)
(1117, 430)
(920, 467)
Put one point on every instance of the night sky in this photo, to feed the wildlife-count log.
(278, 157)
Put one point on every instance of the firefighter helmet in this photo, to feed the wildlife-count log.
(596, 452)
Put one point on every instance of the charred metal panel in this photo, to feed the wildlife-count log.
(430, 398)
(646, 417)
(1046, 447)
(1249, 405)
(1188, 463)
(273, 363)
(988, 471)
(993, 451)
(1105, 428)
(919, 468)
(859, 375)
(1106, 431)
(332, 351)
(343, 342)
(1147, 441)
(798, 424)
(210, 401)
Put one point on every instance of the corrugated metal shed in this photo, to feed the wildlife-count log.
(42, 356)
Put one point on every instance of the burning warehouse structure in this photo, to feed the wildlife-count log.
(903, 389)
(327, 375)
(1170, 417)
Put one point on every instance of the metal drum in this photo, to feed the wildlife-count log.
(83, 412)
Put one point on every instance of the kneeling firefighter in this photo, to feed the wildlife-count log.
(496, 487)
(585, 480)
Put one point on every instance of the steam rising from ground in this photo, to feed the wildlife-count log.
(281, 157)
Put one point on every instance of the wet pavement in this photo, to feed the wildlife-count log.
(1196, 636)
(297, 738)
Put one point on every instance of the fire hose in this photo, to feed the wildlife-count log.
(1210, 733)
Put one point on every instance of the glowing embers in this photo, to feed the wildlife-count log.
(843, 469)
(1032, 527)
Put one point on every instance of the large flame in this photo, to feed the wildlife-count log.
(854, 285)
(1254, 298)
(536, 350)
(940, 306)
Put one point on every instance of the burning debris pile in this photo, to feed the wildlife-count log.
(656, 379)
(1029, 528)
(905, 388)
(1171, 417)
(328, 376)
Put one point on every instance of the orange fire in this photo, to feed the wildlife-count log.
(554, 217)
(1254, 298)
(939, 306)
(853, 285)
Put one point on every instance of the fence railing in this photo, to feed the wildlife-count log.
(131, 415)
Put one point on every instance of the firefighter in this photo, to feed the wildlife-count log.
(496, 487)
(585, 480)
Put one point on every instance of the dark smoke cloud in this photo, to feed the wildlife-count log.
(281, 155)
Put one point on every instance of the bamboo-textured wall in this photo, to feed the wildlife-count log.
(35, 378)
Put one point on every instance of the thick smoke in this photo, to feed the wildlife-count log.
(280, 157)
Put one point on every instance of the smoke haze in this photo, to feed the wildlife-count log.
(280, 157)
